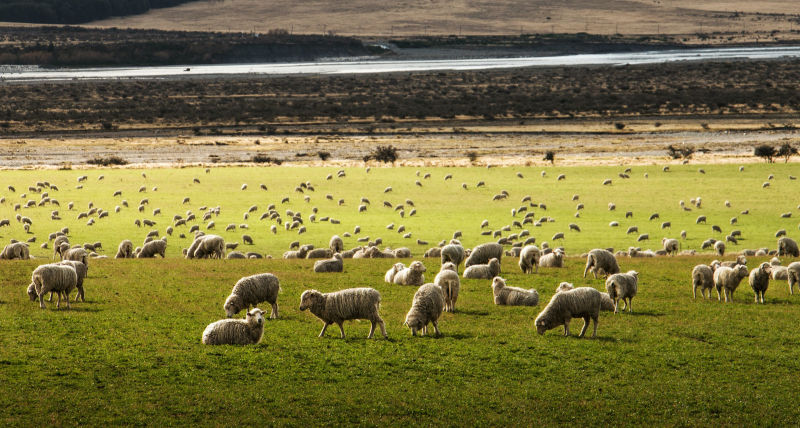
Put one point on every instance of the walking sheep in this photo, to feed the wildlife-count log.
(483, 253)
(582, 302)
(236, 331)
(412, 275)
(513, 296)
(793, 276)
(453, 253)
(340, 306)
(703, 278)
(487, 271)
(759, 280)
(448, 279)
(623, 286)
(727, 279)
(601, 261)
(58, 278)
(252, 290)
(787, 246)
(334, 264)
(529, 259)
(553, 260)
(425, 308)
(124, 250)
(150, 249)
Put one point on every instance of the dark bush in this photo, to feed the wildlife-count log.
(472, 156)
(384, 154)
(259, 158)
(685, 152)
(107, 161)
(323, 155)
(765, 151)
(550, 156)
(786, 151)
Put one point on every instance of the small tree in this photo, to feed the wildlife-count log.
(786, 151)
(384, 154)
(765, 151)
(324, 155)
(684, 152)
(472, 156)
(550, 156)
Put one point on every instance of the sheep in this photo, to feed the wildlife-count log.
(727, 279)
(487, 271)
(793, 276)
(58, 278)
(643, 237)
(425, 308)
(703, 278)
(759, 280)
(412, 275)
(582, 302)
(632, 229)
(740, 260)
(336, 244)
(15, 250)
(334, 264)
(77, 254)
(671, 246)
(529, 259)
(719, 248)
(512, 296)
(247, 239)
(602, 261)
(236, 331)
(150, 249)
(235, 255)
(390, 274)
(780, 273)
(343, 305)
(319, 253)
(434, 252)
(453, 253)
(552, 260)
(81, 271)
(788, 246)
(252, 290)
(483, 253)
(448, 280)
(623, 286)
(207, 246)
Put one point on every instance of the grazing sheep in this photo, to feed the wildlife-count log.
(207, 246)
(483, 253)
(601, 261)
(77, 254)
(793, 276)
(150, 249)
(703, 278)
(16, 250)
(671, 246)
(623, 286)
(453, 253)
(788, 247)
(58, 278)
(236, 331)
(759, 280)
(412, 275)
(719, 248)
(81, 271)
(448, 280)
(643, 237)
(390, 274)
(529, 259)
(487, 271)
(247, 239)
(582, 302)
(340, 306)
(632, 229)
(425, 308)
(252, 290)
(513, 296)
(336, 244)
(334, 264)
(434, 252)
(553, 260)
(727, 279)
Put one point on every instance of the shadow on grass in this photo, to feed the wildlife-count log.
(472, 312)
(641, 314)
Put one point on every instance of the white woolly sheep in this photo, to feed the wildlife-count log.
(719, 248)
(81, 271)
(487, 271)
(336, 244)
(793, 276)
(671, 246)
(788, 247)
(564, 286)
(780, 273)
(425, 308)
(207, 246)
(702, 278)
(77, 254)
(236, 331)
(15, 250)
(553, 260)
(412, 275)
(453, 253)
(623, 286)
(252, 290)
(740, 260)
(389, 276)
(448, 279)
(124, 250)
(483, 253)
(582, 302)
(759, 280)
(60, 279)
(601, 261)
(529, 259)
(343, 305)
(727, 279)
(150, 249)
(334, 264)
(319, 253)
(513, 296)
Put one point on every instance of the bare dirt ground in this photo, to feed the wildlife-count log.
(743, 20)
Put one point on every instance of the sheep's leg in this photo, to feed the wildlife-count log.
(436, 328)
(425, 330)
(66, 297)
(383, 328)
(324, 327)
(616, 306)
(585, 326)
(594, 331)
(50, 299)
(341, 328)
(41, 301)
(371, 330)
(624, 304)
(630, 304)
(58, 302)
(566, 328)
(694, 292)
(719, 297)
(80, 292)
(274, 313)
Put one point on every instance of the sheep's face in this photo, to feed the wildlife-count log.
(498, 283)
(564, 286)
(542, 325)
(766, 267)
(232, 305)
(741, 271)
(448, 266)
(32, 292)
(634, 274)
(309, 298)
(255, 316)
(418, 267)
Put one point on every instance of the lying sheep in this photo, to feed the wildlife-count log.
(671, 246)
(252, 290)
(207, 246)
(340, 306)
(582, 302)
(334, 264)
(487, 271)
(236, 255)
(236, 331)
(434, 252)
(448, 280)
(529, 259)
(124, 250)
(787, 246)
(727, 279)
(601, 261)
(513, 296)
(703, 278)
(759, 280)
(390, 274)
(483, 253)
(60, 279)
(150, 249)
(425, 308)
(412, 275)
(453, 253)
(402, 253)
(623, 286)
(319, 253)
(793, 276)
(553, 260)
(15, 250)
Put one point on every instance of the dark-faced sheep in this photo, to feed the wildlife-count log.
(582, 302)
(340, 306)
(601, 261)
(426, 308)
(252, 290)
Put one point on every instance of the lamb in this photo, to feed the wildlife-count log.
(671, 246)
(124, 250)
(513, 296)
(453, 253)
(787, 246)
(623, 286)
(252, 290)
(448, 279)
(150, 249)
(207, 246)
(553, 260)
(727, 279)
(334, 264)
(483, 253)
(719, 248)
(15, 250)
(602, 261)
(389, 276)
(703, 278)
(582, 302)
(425, 308)
(58, 278)
(487, 271)
(343, 305)
(529, 259)
(336, 244)
(759, 280)
(412, 275)
(793, 276)
(236, 331)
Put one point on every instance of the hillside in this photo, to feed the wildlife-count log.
(75, 11)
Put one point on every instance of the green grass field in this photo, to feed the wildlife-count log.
(131, 354)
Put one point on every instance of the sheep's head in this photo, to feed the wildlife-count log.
(309, 298)
(448, 266)
(742, 260)
(417, 266)
(498, 283)
(741, 271)
(564, 286)
(634, 274)
(256, 316)
(32, 292)
(766, 267)
(544, 323)
(233, 304)
(414, 323)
